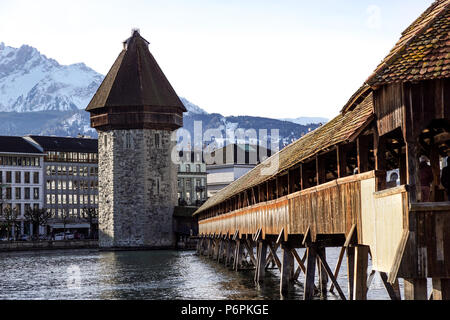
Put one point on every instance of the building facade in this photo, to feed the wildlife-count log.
(70, 181)
(192, 189)
(229, 163)
(21, 177)
(135, 110)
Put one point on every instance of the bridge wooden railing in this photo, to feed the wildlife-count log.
(331, 208)
(405, 240)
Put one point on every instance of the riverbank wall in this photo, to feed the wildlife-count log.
(47, 245)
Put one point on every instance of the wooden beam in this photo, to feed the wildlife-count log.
(415, 289)
(274, 256)
(338, 266)
(287, 268)
(393, 290)
(362, 147)
(330, 274)
(301, 176)
(249, 248)
(360, 282)
(261, 261)
(310, 273)
(323, 277)
(350, 270)
(441, 289)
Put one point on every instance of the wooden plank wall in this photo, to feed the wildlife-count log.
(433, 242)
(389, 108)
(331, 208)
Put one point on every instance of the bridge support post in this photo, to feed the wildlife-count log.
(287, 268)
(228, 252)
(238, 252)
(415, 289)
(210, 247)
(350, 270)
(221, 250)
(441, 289)
(360, 280)
(261, 261)
(216, 248)
(323, 277)
(310, 273)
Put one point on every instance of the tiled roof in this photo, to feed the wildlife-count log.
(17, 145)
(63, 144)
(423, 51)
(340, 129)
(135, 79)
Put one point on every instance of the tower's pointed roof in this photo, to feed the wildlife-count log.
(135, 79)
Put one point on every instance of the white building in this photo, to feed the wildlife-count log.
(229, 163)
(191, 179)
(21, 180)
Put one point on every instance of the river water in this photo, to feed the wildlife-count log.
(156, 275)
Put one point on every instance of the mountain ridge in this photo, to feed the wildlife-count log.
(40, 96)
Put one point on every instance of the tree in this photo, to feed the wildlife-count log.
(37, 217)
(9, 216)
(90, 215)
(65, 218)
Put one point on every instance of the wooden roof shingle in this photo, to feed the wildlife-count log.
(423, 51)
(342, 128)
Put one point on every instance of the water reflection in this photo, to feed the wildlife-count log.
(157, 275)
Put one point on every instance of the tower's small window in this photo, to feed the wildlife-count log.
(157, 185)
(128, 141)
(157, 140)
(105, 141)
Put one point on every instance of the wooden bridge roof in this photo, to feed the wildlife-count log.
(423, 51)
(345, 127)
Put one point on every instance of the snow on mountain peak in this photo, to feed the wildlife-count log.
(29, 81)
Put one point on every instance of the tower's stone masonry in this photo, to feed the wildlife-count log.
(136, 180)
(135, 111)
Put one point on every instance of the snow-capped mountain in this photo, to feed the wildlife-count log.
(29, 81)
(306, 120)
(40, 96)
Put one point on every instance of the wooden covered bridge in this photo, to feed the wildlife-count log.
(330, 189)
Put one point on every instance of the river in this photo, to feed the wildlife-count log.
(156, 275)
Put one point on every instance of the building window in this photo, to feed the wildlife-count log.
(199, 169)
(18, 177)
(18, 193)
(27, 177)
(188, 168)
(27, 193)
(8, 194)
(36, 193)
(36, 177)
(8, 177)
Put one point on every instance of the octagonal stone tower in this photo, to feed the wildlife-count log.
(134, 111)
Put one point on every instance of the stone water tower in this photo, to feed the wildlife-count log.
(135, 110)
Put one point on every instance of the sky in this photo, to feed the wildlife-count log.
(278, 59)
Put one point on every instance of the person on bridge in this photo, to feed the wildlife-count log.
(426, 178)
(445, 178)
